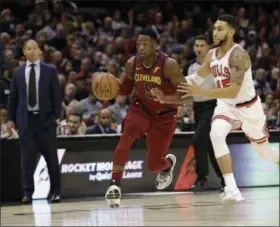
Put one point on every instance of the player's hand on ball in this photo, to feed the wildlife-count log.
(118, 80)
(188, 89)
(158, 95)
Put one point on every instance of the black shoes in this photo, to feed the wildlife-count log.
(55, 198)
(199, 186)
(26, 199)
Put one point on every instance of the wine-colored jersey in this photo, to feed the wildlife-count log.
(153, 77)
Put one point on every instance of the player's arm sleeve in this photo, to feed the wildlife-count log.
(127, 82)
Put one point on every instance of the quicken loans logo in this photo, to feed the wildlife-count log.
(100, 171)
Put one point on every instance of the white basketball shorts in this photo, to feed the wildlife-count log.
(250, 118)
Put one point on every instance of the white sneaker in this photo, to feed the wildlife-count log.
(164, 179)
(231, 196)
(113, 196)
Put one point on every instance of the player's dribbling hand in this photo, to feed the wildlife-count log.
(119, 81)
(188, 89)
(158, 95)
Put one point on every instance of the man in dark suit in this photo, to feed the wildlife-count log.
(34, 105)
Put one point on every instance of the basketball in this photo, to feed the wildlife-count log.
(105, 86)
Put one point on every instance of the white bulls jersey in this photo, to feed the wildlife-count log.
(245, 111)
(222, 73)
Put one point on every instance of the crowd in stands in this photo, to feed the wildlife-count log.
(79, 45)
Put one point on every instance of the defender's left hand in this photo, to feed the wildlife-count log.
(189, 89)
(158, 94)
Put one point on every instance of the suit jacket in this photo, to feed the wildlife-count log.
(97, 129)
(49, 97)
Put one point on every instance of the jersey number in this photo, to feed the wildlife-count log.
(148, 89)
(223, 83)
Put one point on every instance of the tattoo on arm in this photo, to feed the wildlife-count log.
(239, 63)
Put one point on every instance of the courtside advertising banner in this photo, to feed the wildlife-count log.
(87, 173)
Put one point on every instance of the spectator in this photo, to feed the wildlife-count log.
(70, 92)
(271, 108)
(69, 70)
(4, 133)
(260, 93)
(275, 75)
(90, 106)
(260, 80)
(119, 109)
(58, 61)
(74, 122)
(59, 41)
(5, 38)
(5, 82)
(113, 68)
(7, 21)
(278, 121)
(82, 80)
(276, 93)
(241, 18)
(266, 61)
(117, 22)
(104, 124)
(187, 119)
(62, 83)
(73, 108)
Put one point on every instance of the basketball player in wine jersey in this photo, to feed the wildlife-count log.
(146, 117)
(238, 105)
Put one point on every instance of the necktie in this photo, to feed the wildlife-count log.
(32, 87)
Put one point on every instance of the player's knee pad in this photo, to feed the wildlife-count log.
(216, 135)
(219, 144)
(219, 131)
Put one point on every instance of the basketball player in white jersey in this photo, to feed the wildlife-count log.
(238, 106)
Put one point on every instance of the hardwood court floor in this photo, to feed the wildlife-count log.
(261, 207)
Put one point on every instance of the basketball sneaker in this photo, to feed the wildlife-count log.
(113, 196)
(164, 178)
(231, 196)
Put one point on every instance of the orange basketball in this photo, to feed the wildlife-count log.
(105, 86)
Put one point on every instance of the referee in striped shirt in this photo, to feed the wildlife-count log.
(203, 112)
